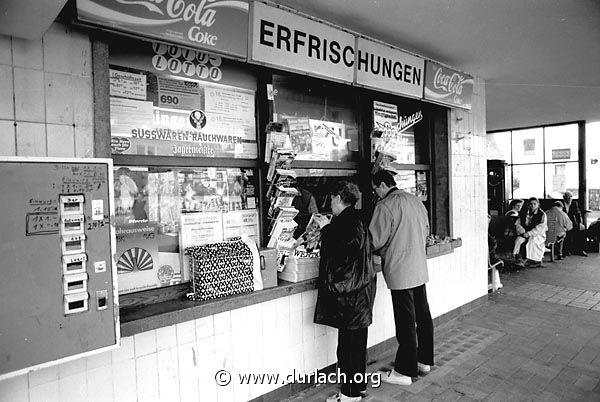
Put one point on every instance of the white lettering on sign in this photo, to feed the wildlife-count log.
(197, 35)
(409, 121)
(449, 83)
(179, 10)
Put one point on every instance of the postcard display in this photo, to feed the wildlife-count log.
(171, 101)
(58, 292)
(297, 259)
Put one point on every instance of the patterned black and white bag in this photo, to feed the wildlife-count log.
(221, 269)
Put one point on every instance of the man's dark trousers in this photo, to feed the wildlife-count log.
(410, 308)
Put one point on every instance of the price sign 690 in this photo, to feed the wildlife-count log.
(190, 62)
(169, 99)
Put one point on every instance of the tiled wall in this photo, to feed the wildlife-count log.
(46, 102)
(460, 277)
(52, 108)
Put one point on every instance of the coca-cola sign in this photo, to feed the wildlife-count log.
(448, 86)
(214, 25)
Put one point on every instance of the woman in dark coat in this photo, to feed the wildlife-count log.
(347, 284)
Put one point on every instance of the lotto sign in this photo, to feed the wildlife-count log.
(176, 60)
(215, 25)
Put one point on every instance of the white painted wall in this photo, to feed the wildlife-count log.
(51, 83)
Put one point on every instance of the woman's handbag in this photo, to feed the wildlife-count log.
(221, 269)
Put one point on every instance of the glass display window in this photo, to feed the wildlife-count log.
(526, 181)
(592, 144)
(499, 147)
(561, 143)
(561, 177)
(320, 117)
(160, 211)
(528, 146)
(318, 182)
(173, 101)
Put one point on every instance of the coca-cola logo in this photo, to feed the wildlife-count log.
(449, 83)
(201, 13)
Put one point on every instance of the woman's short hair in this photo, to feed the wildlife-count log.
(515, 202)
(533, 199)
(348, 192)
(384, 176)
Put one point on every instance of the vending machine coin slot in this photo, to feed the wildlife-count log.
(75, 283)
(73, 264)
(71, 204)
(73, 244)
(76, 303)
(101, 299)
(72, 224)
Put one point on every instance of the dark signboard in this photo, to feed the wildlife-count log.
(214, 25)
(447, 86)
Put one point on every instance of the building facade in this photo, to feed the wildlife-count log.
(62, 103)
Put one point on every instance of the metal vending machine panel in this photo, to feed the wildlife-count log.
(58, 297)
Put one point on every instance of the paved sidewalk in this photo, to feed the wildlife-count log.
(538, 339)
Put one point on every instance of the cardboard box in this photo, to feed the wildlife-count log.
(268, 266)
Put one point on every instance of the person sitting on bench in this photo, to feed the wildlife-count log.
(560, 223)
(534, 223)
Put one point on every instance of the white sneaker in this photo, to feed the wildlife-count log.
(392, 377)
(423, 368)
(339, 397)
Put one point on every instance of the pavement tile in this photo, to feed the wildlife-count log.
(449, 395)
(537, 340)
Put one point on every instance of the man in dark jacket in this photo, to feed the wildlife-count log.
(346, 288)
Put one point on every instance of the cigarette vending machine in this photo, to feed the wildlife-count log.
(58, 298)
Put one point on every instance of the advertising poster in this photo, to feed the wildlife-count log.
(241, 223)
(300, 135)
(157, 108)
(127, 85)
(163, 200)
(328, 141)
(137, 258)
(131, 194)
(384, 116)
(216, 25)
(394, 137)
(199, 228)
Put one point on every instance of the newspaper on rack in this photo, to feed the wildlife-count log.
(282, 178)
(280, 159)
(284, 197)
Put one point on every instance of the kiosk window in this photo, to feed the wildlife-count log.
(159, 211)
